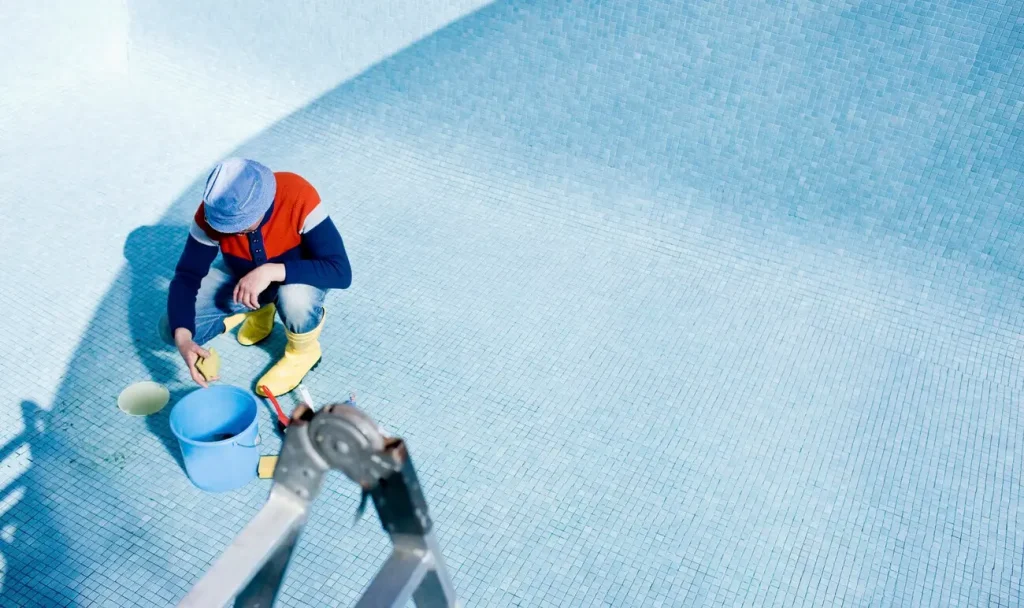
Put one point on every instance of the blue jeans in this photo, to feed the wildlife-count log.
(301, 307)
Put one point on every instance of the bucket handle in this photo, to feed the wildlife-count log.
(259, 440)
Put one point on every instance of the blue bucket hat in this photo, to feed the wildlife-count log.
(238, 193)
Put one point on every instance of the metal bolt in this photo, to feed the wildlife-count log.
(341, 446)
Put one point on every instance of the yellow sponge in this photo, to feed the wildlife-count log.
(210, 366)
(265, 470)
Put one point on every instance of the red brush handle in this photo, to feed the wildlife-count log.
(277, 406)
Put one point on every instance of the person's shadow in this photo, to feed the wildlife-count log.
(152, 252)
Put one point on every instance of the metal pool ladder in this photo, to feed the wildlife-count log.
(340, 437)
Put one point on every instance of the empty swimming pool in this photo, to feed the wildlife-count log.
(675, 303)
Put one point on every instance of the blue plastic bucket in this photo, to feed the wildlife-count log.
(218, 434)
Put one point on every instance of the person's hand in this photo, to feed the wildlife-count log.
(191, 352)
(248, 290)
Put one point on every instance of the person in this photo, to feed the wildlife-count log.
(281, 254)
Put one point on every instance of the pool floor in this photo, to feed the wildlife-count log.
(629, 370)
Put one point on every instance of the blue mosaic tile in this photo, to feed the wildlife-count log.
(676, 304)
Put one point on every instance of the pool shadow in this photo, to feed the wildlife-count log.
(39, 513)
(29, 519)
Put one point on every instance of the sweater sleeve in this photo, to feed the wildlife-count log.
(192, 267)
(326, 264)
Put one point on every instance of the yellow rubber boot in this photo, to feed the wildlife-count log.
(300, 356)
(234, 321)
(257, 325)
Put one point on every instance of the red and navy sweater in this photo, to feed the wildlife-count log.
(296, 231)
